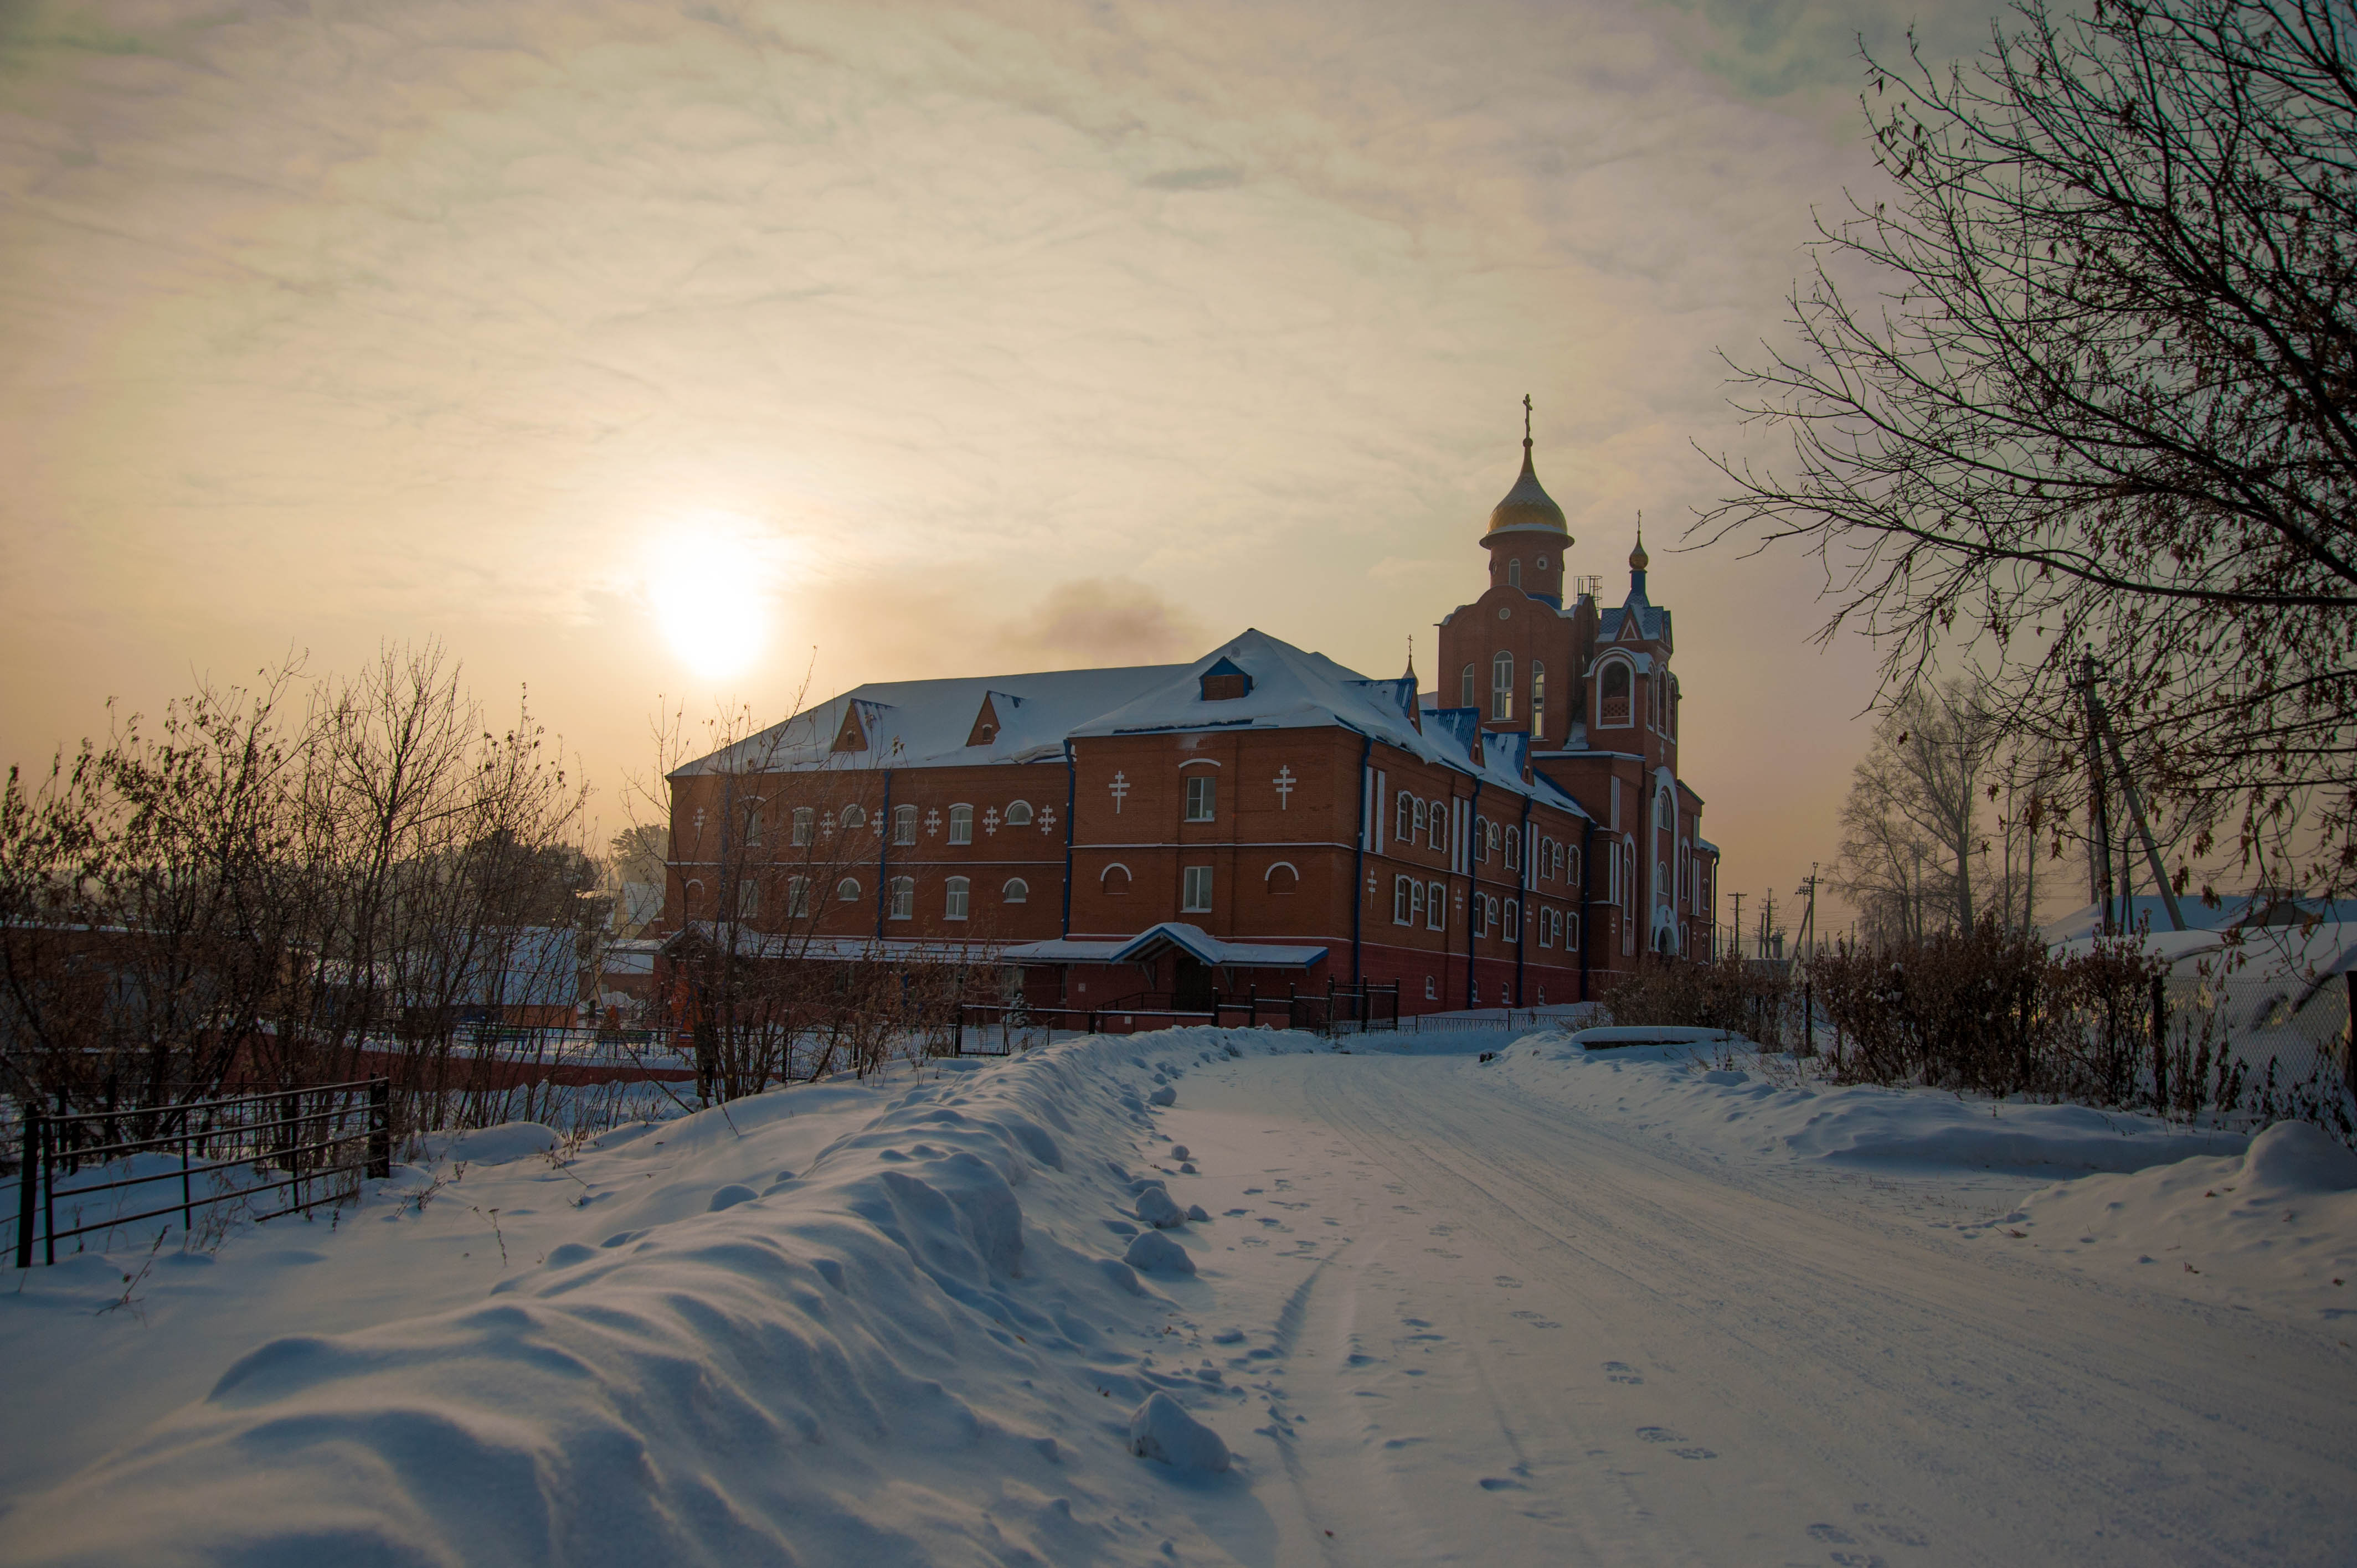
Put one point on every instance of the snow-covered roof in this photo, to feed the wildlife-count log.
(1294, 689)
(1192, 940)
(919, 724)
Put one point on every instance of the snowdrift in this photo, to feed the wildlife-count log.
(2274, 1230)
(1726, 1099)
(909, 1348)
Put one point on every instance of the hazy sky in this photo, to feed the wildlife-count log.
(940, 339)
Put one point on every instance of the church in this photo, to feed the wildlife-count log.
(1261, 820)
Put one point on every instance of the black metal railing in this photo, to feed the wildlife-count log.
(1000, 1028)
(294, 1141)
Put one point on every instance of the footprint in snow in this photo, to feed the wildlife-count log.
(1507, 1282)
(1500, 1484)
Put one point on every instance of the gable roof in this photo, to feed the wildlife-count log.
(919, 724)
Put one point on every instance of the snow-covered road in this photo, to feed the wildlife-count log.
(1501, 1331)
(1626, 1308)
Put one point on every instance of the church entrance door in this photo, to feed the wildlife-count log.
(1191, 992)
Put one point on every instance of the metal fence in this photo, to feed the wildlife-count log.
(1001, 1028)
(2290, 1039)
(314, 1145)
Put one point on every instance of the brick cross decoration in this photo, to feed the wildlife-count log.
(932, 824)
(990, 820)
(1120, 788)
(1284, 782)
(1047, 819)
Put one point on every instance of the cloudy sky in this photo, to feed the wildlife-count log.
(934, 339)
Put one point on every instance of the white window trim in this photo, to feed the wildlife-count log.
(955, 891)
(967, 822)
(1282, 865)
(1188, 881)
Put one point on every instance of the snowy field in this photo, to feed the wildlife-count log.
(1649, 1304)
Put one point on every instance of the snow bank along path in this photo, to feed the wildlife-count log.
(1621, 1306)
(908, 1350)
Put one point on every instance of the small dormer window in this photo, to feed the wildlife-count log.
(1225, 683)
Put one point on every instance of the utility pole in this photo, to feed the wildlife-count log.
(2100, 731)
(1808, 970)
(1734, 931)
(1767, 919)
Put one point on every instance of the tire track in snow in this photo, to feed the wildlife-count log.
(1923, 1340)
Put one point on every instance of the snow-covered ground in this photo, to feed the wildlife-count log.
(1645, 1305)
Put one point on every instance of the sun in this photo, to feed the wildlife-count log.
(708, 582)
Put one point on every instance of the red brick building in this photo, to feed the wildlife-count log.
(1261, 818)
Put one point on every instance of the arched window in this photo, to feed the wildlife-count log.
(1673, 709)
(954, 907)
(904, 824)
(748, 899)
(1546, 928)
(1465, 688)
(1115, 880)
(692, 894)
(1513, 573)
(961, 824)
(1423, 820)
(1481, 912)
(1439, 838)
(1435, 907)
(1613, 707)
(1016, 891)
(1283, 878)
(1538, 697)
(805, 825)
(1571, 863)
(847, 890)
(1502, 686)
(1018, 816)
(1403, 821)
(1481, 838)
(904, 898)
(798, 896)
(753, 827)
(1405, 893)
(853, 817)
(1514, 849)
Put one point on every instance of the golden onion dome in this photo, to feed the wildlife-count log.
(1637, 557)
(1528, 506)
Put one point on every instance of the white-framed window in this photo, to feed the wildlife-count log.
(798, 898)
(958, 890)
(805, 825)
(1546, 928)
(1482, 838)
(1439, 838)
(1612, 694)
(847, 890)
(1016, 891)
(853, 817)
(1481, 912)
(1464, 698)
(1202, 797)
(1404, 818)
(1542, 563)
(748, 899)
(1511, 927)
(1403, 904)
(1571, 864)
(1571, 931)
(961, 824)
(904, 824)
(1513, 573)
(1514, 849)
(1538, 696)
(1018, 815)
(904, 898)
(1435, 907)
(1431, 992)
(753, 826)
(1196, 890)
(1423, 820)
(1502, 686)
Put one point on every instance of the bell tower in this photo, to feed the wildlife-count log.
(1527, 539)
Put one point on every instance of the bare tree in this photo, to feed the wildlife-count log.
(1913, 824)
(2082, 387)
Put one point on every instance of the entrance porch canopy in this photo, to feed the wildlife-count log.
(1150, 944)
